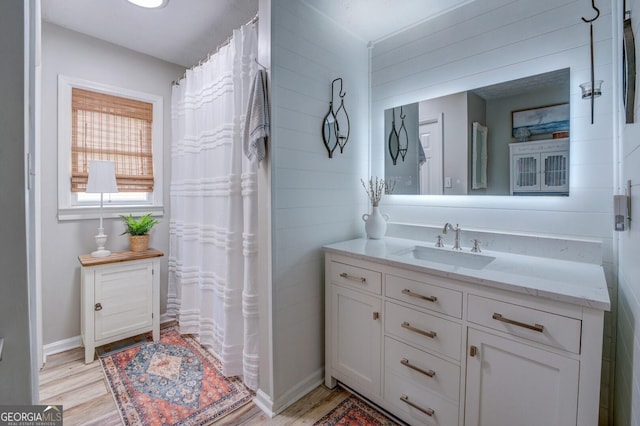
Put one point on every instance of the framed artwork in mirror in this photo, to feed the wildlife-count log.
(541, 120)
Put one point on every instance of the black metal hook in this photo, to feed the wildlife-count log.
(590, 22)
(342, 95)
(402, 114)
(593, 5)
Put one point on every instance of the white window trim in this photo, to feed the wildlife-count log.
(67, 209)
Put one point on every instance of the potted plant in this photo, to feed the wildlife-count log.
(138, 230)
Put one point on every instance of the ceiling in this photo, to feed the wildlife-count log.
(184, 31)
(373, 20)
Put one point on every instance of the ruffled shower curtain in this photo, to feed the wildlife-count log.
(213, 235)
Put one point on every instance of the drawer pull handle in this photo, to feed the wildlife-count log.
(430, 334)
(536, 327)
(428, 411)
(406, 363)
(98, 307)
(353, 278)
(419, 296)
(376, 315)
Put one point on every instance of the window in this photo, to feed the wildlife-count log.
(108, 123)
(107, 127)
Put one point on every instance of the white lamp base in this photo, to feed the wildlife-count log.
(101, 253)
(101, 239)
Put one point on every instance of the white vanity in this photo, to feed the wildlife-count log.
(442, 337)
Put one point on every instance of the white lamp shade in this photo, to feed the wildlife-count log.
(102, 177)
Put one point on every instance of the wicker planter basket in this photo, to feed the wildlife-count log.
(139, 242)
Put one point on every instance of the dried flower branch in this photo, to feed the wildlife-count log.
(376, 188)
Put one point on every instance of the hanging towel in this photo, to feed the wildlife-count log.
(256, 127)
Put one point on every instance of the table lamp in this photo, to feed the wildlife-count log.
(102, 178)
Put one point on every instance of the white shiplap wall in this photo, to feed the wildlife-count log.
(627, 377)
(315, 200)
(490, 41)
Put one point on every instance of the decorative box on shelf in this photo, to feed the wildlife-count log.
(120, 297)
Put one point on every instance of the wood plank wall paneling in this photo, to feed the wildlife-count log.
(316, 200)
(498, 40)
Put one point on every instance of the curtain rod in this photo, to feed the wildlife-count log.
(220, 46)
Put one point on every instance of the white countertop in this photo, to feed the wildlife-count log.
(565, 281)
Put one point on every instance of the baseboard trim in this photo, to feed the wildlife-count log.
(61, 346)
(264, 402)
(301, 389)
(165, 318)
(76, 342)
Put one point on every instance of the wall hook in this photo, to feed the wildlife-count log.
(593, 5)
(590, 22)
(259, 64)
(340, 93)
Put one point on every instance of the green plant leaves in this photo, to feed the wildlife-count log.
(140, 226)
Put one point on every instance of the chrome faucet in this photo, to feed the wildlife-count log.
(456, 243)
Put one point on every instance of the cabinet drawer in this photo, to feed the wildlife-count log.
(354, 277)
(412, 402)
(544, 327)
(421, 368)
(424, 330)
(425, 295)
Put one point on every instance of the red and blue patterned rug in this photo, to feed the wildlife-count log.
(355, 412)
(172, 382)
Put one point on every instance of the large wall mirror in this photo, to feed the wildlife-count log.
(510, 138)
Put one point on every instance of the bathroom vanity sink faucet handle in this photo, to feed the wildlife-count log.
(476, 246)
(439, 241)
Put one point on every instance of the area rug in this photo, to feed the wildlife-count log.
(354, 412)
(172, 382)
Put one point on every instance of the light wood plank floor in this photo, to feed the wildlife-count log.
(87, 400)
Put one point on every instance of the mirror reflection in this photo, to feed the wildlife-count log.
(510, 138)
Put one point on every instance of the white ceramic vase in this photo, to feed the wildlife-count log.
(375, 224)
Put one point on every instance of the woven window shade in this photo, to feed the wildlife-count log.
(107, 127)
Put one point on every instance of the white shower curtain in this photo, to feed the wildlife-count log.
(213, 235)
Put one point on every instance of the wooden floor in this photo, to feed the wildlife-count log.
(85, 396)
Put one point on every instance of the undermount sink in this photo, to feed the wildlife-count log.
(447, 256)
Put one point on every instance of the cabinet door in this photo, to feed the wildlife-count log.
(555, 171)
(356, 339)
(510, 383)
(526, 172)
(125, 294)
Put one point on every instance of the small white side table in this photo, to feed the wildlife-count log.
(120, 297)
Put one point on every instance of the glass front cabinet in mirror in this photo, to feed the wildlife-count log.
(510, 138)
